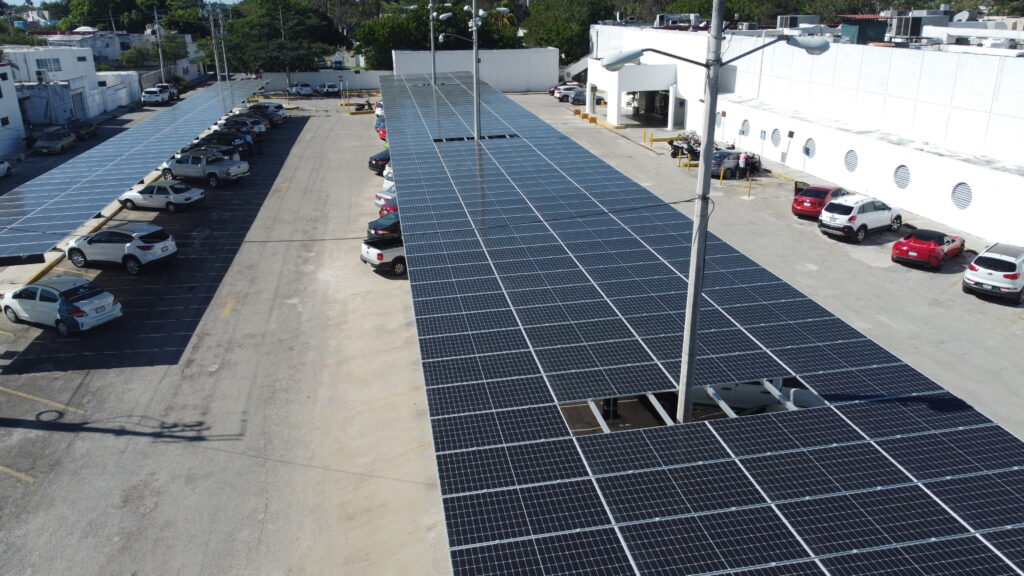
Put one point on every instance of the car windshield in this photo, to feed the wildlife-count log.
(82, 292)
(995, 264)
(155, 236)
(926, 236)
(720, 155)
(388, 220)
(179, 188)
(818, 193)
(841, 209)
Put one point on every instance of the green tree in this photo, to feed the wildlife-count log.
(256, 27)
(135, 58)
(173, 46)
(565, 24)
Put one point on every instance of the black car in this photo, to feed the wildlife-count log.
(387, 225)
(82, 129)
(379, 161)
(226, 138)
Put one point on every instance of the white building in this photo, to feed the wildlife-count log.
(59, 83)
(930, 131)
(105, 46)
(12, 129)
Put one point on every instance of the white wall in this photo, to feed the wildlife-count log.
(13, 132)
(948, 118)
(353, 79)
(522, 70)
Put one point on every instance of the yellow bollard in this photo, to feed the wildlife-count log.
(593, 119)
(575, 111)
(721, 174)
(645, 137)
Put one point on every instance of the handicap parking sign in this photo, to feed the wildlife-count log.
(762, 134)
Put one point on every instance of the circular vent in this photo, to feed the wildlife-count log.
(745, 128)
(851, 161)
(901, 177)
(962, 196)
(776, 138)
(810, 148)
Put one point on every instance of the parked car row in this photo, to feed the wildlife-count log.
(384, 248)
(72, 304)
(325, 89)
(996, 271)
(160, 94)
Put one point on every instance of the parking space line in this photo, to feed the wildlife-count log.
(58, 405)
(229, 306)
(6, 333)
(18, 475)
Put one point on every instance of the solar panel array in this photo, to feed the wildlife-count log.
(540, 275)
(40, 213)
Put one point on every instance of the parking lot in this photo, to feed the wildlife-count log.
(260, 407)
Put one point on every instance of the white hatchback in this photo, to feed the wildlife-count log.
(166, 194)
(998, 271)
(131, 244)
(67, 303)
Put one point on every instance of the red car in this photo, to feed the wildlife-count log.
(927, 247)
(809, 200)
(389, 207)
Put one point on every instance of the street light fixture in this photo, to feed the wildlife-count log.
(433, 16)
(813, 46)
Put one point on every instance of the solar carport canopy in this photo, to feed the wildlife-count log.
(540, 275)
(37, 215)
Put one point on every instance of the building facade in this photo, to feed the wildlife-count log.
(927, 130)
(12, 129)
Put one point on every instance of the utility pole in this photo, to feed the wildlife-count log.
(224, 52)
(213, 44)
(112, 26)
(284, 47)
(159, 46)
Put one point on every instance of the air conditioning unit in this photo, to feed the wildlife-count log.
(42, 76)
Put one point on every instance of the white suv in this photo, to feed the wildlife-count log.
(997, 271)
(855, 215)
(131, 244)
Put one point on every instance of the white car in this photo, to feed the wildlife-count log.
(156, 95)
(131, 244)
(167, 194)
(240, 123)
(998, 271)
(384, 196)
(271, 107)
(564, 91)
(855, 215)
(300, 89)
(5, 169)
(67, 303)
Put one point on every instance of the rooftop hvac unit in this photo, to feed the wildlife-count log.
(796, 21)
(747, 26)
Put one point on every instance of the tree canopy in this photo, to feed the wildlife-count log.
(278, 35)
(408, 28)
(565, 24)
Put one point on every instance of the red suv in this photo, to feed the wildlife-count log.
(809, 200)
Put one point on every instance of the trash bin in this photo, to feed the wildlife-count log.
(636, 110)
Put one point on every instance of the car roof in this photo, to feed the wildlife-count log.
(1008, 250)
(134, 228)
(61, 283)
(852, 199)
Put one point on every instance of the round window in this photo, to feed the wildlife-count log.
(901, 177)
(851, 161)
(810, 148)
(776, 138)
(962, 196)
(745, 128)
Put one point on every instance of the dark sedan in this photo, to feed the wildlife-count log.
(379, 161)
(387, 225)
(82, 129)
(226, 138)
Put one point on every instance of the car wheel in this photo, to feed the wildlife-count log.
(1020, 297)
(398, 267)
(964, 289)
(213, 180)
(860, 235)
(167, 174)
(11, 315)
(172, 207)
(129, 204)
(896, 223)
(132, 265)
(62, 328)
(77, 258)
(728, 174)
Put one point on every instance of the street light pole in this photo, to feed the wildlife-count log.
(475, 21)
(433, 54)
(698, 248)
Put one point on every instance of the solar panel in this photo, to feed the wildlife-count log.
(540, 275)
(40, 213)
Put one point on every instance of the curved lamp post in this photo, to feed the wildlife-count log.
(713, 65)
(433, 16)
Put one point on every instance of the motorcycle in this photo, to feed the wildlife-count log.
(360, 106)
(688, 148)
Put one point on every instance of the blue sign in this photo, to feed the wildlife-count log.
(762, 134)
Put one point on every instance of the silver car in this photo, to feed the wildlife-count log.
(162, 194)
(67, 303)
(998, 271)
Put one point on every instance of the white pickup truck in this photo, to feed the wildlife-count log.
(385, 254)
(209, 165)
